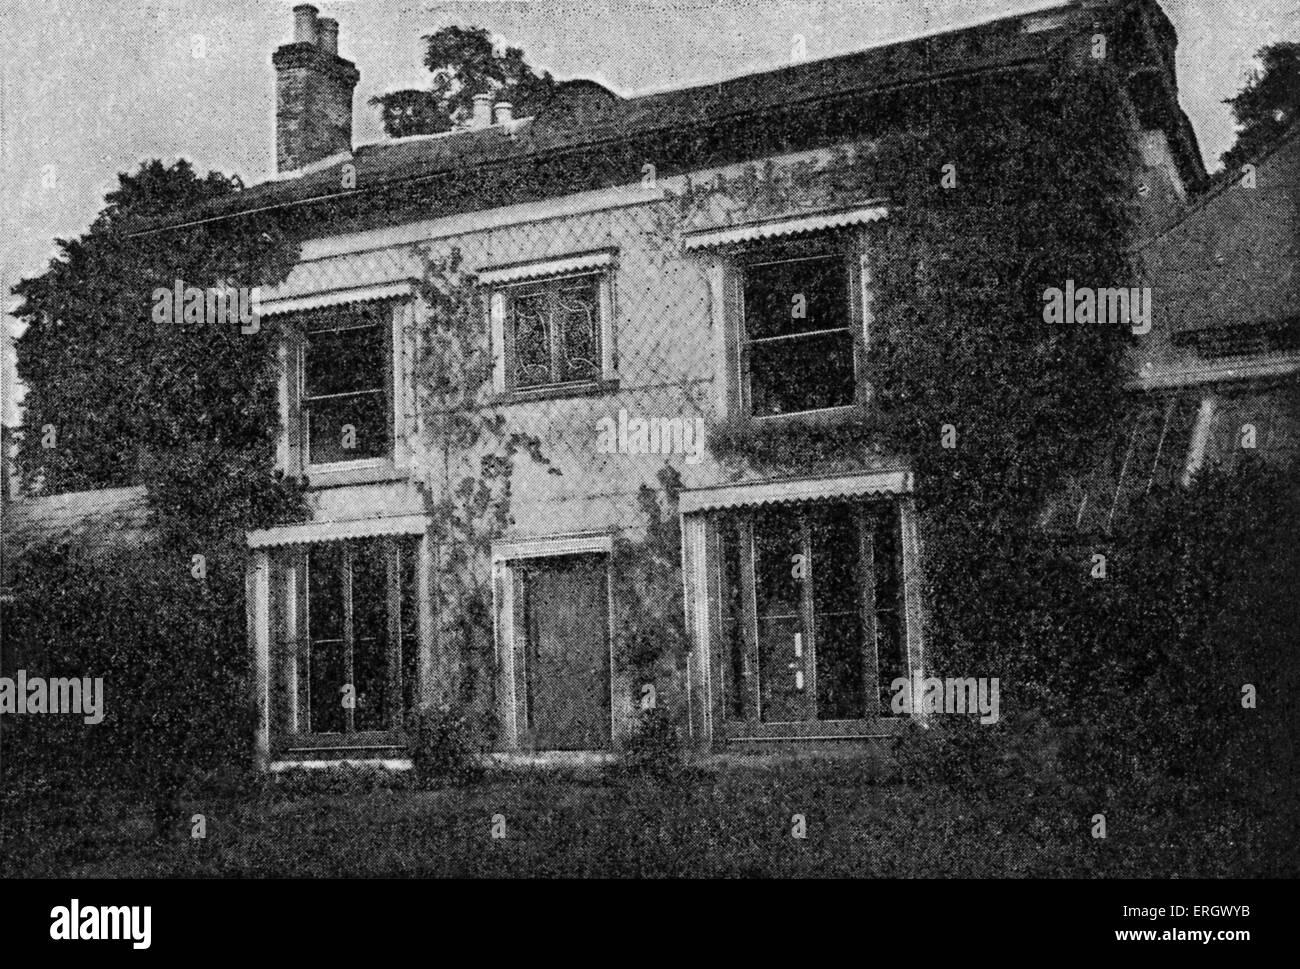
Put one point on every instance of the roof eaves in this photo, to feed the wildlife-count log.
(592, 144)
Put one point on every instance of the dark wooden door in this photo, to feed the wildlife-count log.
(567, 626)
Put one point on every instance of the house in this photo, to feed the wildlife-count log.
(1214, 381)
(596, 315)
(627, 316)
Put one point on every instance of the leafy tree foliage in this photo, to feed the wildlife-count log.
(1133, 682)
(185, 407)
(119, 389)
(464, 62)
(1267, 105)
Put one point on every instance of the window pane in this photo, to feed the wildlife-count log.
(370, 633)
(1265, 419)
(1175, 445)
(803, 373)
(800, 296)
(578, 317)
(736, 665)
(531, 322)
(345, 361)
(348, 428)
(782, 646)
(325, 624)
(1150, 451)
(837, 613)
(887, 566)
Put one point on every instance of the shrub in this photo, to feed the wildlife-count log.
(654, 748)
(1019, 751)
(1147, 668)
(443, 750)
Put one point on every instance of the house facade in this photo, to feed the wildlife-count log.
(652, 278)
(636, 288)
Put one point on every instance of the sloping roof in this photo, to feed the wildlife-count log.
(1003, 43)
(1233, 262)
(110, 518)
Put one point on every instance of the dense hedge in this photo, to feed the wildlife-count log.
(171, 650)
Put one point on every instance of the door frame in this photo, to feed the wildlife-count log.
(510, 643)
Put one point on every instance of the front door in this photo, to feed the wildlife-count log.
(567, 652)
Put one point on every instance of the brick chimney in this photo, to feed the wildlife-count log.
(313, 93)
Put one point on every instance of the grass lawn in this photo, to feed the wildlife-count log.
(727, 821)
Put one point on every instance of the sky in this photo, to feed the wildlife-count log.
(91, 88)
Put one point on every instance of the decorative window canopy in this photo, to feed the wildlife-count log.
(538, 269)
(551, 545)
(309, 533)
(782, 492)
(778, 228)
(338, 297)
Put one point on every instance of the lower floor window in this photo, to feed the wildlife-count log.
(812, 612)
(347, 636)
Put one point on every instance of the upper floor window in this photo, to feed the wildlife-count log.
(345, 385)
(797, 345)
(552, 323)
(554, 331)
(791, 307)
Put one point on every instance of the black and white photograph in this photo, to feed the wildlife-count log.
(649, 440)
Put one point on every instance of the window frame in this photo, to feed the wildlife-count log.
(385, 315)
(500, 312)
(726, 270)
(292, 730)
(784, 255)
(874, 713)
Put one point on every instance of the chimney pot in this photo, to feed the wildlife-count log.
(329, 35)
(505, 112)
(304, 24)
(482, 116)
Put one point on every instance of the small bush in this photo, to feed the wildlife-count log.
(1021, 749)
(443, 751)
(654, 748)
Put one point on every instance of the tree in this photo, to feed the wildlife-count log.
(80, 352)
(184, 406)
(106, 383)
(1267, 105)
(464, 62)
